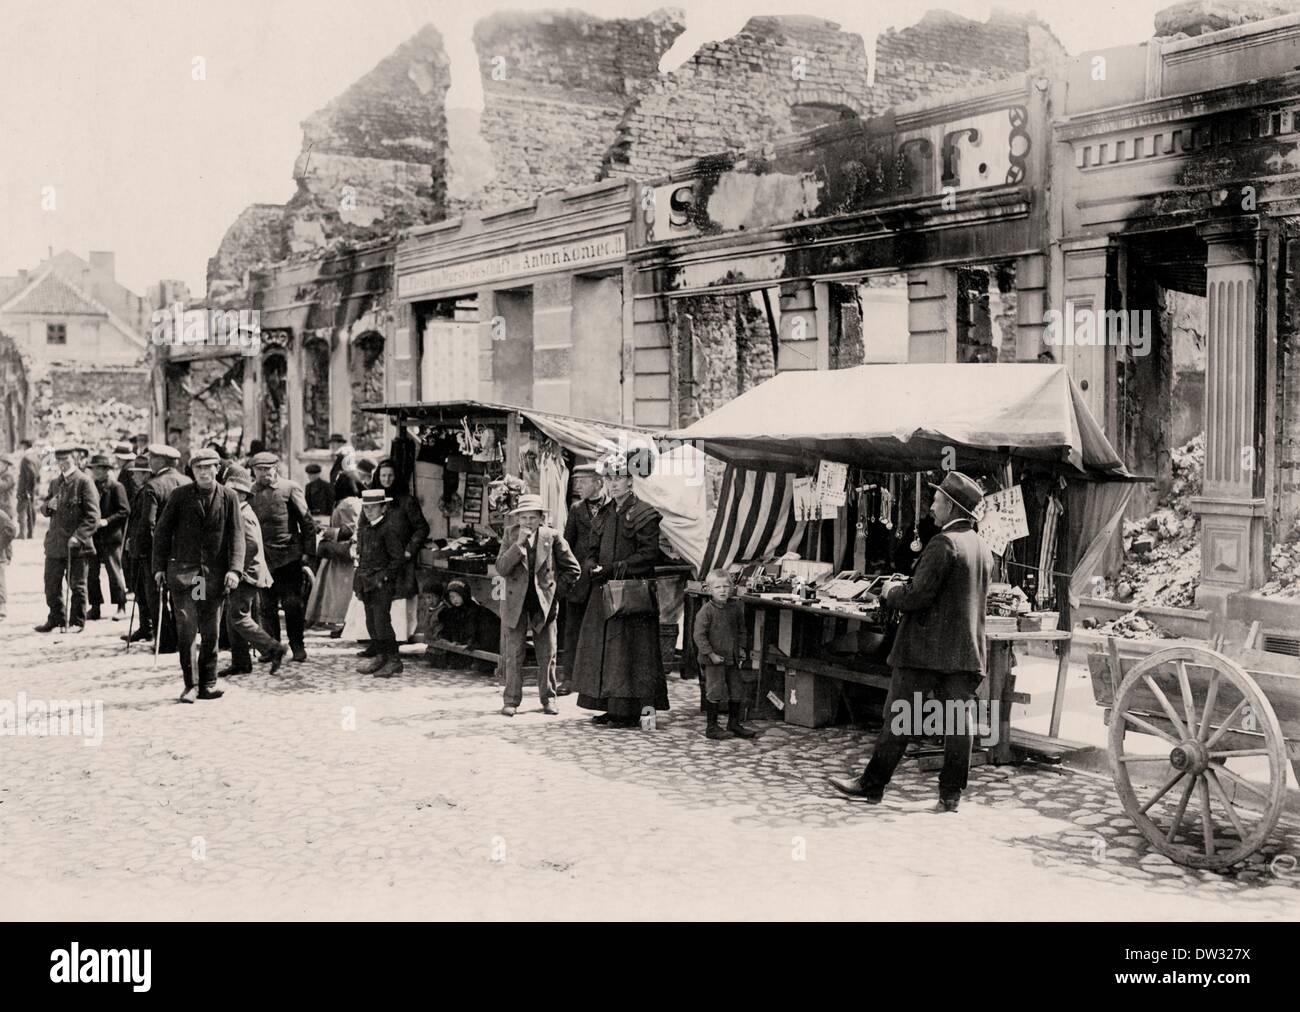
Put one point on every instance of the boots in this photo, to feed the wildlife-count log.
(735, 726)
(712, 731)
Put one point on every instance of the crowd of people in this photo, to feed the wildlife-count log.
(209, 557)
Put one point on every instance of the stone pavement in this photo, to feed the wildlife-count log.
(324, 794)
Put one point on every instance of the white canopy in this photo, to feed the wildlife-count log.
(903, 417)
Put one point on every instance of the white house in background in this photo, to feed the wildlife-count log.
(73, 311)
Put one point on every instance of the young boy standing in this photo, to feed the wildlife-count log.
(719, 635)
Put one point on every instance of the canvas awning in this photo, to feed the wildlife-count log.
(904, 417)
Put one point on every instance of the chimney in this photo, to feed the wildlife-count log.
(104, 263)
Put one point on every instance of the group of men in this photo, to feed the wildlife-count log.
(224, 539)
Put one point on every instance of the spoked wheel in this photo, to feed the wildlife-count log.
(308, 582)
(1207, 712)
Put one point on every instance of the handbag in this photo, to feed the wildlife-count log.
(625, 598)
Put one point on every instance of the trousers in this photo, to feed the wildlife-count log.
(55, 572)
(378, 603)
(572, 615)
(242, 629)
(515, 648)
(285, 591)
(26, 514)
(946, 686)
(197, 607)
(110, 559)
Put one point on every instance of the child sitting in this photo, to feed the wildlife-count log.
(465, 622)
(719, 633)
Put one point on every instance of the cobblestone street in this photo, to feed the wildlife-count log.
(322, 793)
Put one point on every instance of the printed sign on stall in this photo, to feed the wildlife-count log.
(1003, 520)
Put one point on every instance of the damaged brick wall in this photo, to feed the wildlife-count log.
(946, 52)
(724, 348)
(373, 161)
(555, 86)
(776, 76)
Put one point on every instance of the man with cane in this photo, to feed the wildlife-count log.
(198, 553)
(73, 509)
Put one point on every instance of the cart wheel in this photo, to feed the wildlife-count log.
(309, 582)
(1220, 697)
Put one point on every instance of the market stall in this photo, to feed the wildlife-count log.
(467, 462)
(826, 494)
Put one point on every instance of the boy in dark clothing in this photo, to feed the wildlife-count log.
(719, 638)
(384, 574)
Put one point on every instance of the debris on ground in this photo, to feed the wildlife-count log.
(1135, 627)
(1284, 566)
(1162, 551)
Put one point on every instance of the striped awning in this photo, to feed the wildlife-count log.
(755, 518)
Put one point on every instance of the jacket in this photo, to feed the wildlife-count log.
(146, 510)
(256, 570)
(281, 509)
(73, 509)
(628, 546)
(194, 535)
(8, 531)
(553, 563)
(404, 502)
(114, 510)
(943, 604)
(381, 555)
(320, 497)
(720, 630)
(29, 473)
(582, 532)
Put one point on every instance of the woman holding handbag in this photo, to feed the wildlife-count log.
(618, 668)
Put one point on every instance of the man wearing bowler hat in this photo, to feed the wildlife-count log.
(198, 552)
(113, 516)
(939, 648)
(536, 565)
(73, 509)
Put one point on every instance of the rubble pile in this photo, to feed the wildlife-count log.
(1284, 566)
(95, 426)
(1131, 626)
(1162, 551)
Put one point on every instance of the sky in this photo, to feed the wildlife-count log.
(145, 126)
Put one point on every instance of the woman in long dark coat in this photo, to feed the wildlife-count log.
(618, 667)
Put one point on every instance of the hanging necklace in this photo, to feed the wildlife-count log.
(916, 525)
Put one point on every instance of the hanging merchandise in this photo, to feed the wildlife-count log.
(887, 507)
(916, 519)
(831, 479)
(554, 484)
(1003, 520)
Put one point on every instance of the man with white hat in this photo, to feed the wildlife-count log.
(73, 509)
(384, 574)
(939, 646)
(536, 564)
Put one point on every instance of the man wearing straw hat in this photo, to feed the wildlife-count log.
(939, 647)
(535, 563)
(384, 574)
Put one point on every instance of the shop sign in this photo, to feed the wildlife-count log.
(542, 260)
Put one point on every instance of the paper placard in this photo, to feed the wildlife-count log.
(1003, 520)
(806, 504)
(831, 481)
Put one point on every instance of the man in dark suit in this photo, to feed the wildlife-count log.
(939, 647)
(242, 628)
(319, 493)
(385, 573)
(536, 564)
(73, 509)
(113, 515)
(145, 511)
(198, 551)
(582, 532)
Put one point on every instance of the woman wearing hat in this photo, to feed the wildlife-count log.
(619, 668)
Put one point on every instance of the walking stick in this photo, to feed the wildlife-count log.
(157, 629)
(67, 590)
(129, 620)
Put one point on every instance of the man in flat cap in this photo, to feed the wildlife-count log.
(198, 552)
(319, 493)
(73, 509)
(164, 480)
(131, 481)
(582, 532)
(113, 515)
(281, 509)
(939, 647)
(241, 627)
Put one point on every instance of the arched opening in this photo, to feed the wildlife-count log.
(366, 376)
(315, 393)
(275, 416)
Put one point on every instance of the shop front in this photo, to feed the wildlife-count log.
(1177, 187)
(916, 236)
(523, 306)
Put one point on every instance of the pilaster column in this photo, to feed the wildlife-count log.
(1231, 505)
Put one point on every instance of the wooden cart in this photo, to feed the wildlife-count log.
(1202, 712)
